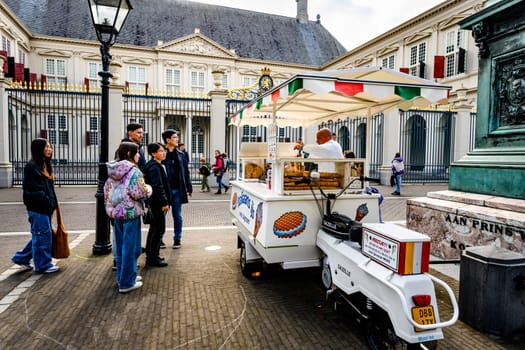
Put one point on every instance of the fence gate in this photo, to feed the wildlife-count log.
(69, 120)
(427, 145)
(189, 116)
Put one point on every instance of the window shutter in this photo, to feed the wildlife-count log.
(43, 134)
(10, 67)
(439, 66)
(127, 87)
(19, 72)
(147, 87)
(461, 60)
(422, 69)
(43, 80)
(404, 70)
(88, 138)
(27, 75)
(86, 83)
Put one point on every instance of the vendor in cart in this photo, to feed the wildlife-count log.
(325, 148)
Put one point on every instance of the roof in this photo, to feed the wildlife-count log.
(250, 34)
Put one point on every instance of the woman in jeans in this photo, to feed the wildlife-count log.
(41, 201)
(124, 193)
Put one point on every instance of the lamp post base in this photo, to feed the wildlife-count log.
(101, 248)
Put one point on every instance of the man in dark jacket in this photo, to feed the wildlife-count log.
(135, 132)
(159, 203)
(179, 179)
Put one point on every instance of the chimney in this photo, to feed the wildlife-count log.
(302, 11)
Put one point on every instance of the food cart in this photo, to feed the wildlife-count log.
(277, 215)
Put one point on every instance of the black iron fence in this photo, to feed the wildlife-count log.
(69, 120)
(189, 116)
(351, 135)
(427, 145)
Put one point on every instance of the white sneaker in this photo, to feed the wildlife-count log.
(25, 266)
(138, 279)
(137, 285)
(52, 269)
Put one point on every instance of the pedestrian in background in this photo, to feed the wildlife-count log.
(179, 180)
(124, 193)
(218, 169)
(398, 169)
(41, 201)
(159, 203)
(182, 148)
(205, 171)
(135, 132)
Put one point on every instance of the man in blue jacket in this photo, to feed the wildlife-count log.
(179, 180)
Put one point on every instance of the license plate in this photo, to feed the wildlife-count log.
(423, 315)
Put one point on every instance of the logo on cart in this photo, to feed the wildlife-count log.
(244, 199)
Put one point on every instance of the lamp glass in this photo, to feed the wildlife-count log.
(109, 15)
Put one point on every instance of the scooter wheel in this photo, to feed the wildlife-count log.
(326, 274)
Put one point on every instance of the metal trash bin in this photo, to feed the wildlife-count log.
(492, 290)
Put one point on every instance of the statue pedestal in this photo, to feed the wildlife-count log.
(456, 220)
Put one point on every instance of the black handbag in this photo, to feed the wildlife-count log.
(393, 180)
(147, 217)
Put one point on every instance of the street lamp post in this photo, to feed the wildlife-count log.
(108, 17)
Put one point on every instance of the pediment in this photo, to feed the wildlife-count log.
(139, 61)
(196, 44)
(363, 60)
(388, 49)
(417, 37)
(55, 53)
(453, 20)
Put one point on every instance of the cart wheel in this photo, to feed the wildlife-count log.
(326, 275)
(250, 270)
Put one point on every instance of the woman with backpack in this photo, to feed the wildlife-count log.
(398, 169)
(124, 194)
(219, 168)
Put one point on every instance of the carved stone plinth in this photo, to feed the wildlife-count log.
(455, 220)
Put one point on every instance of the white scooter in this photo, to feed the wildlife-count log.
(396, 304)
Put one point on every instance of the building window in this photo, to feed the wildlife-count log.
(54, 129)
(455, 52)
(418, 55)
(137, 78)
(197, 143)
(198, 83)
(249, 81)
(21, 57)
(92, 133)
(388, 62)
(93, 77)
(6, 45)
(224, 81)
(173, 80)
(56, 71)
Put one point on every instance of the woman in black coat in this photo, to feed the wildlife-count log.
(155, 176)
(41, 201)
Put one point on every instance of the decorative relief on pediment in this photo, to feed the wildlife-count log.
(417, 37)
(55, 53)
(133, 60)
(175, 64)
(197, 46)
(198, 66)
(362, 60)
(388, 49)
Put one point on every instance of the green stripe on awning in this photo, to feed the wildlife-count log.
(407, 93)
(259, 103)
(294, 86)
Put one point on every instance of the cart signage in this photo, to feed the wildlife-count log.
(272, 141)
(381, 249)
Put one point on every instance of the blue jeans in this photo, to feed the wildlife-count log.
(127, 233)
(398, 183)
(39, 246)
(176, 211)
(219, 180)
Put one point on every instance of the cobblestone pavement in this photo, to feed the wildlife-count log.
(200, 301)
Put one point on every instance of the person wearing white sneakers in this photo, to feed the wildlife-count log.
(124, 193)
(41, 201)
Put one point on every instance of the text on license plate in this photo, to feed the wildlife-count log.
(423, 315)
